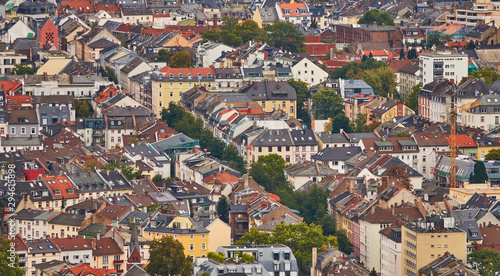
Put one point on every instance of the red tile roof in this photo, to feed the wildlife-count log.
(81, 6)
(463, 141)
(109, 8)
(153, 32)
(107, 93)
(124, 28)
(293, 7)
(319, 49)
(250, 111)
(10, 86)
(106, 246)
(75, 243)
(18, 100)
(376, 53)
(61, 187)
(455, 44)
(19, 243)
(221, 178)
(87, 270)
(114, 211)
(397, 64)
(369, 144)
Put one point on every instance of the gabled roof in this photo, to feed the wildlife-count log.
(73, 243)
(336, 153)
(106, 246)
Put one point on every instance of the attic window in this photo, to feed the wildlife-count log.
(171, 76)
(57, 192)
(200, 75)
(190, 76)
(70, 191)
(181, 76)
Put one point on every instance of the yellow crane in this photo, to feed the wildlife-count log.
(453, 133)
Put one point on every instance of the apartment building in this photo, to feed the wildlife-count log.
(425, 241)
(444, 65)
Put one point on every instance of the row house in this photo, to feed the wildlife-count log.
(168, 84)
(429, 145)
(292, 145)
(388, 111)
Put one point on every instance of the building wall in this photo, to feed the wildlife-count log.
(287, 106)
(220, 235)
(308, 72)
(32, 229)
(454, 67)
(419, 249)
(390, 257)
(63, 231)
(372, 243)
(164, 92)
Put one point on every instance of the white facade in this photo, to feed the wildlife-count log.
(32, 229)
(51, 88)
(8, 61)
(443, 66)
(390, 257)
(372, 244)
(77, 256)
(308, 72)
(209, 52)
(18, 30)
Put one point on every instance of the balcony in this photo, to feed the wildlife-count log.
(118, 262)
(241, 231)
(242, 219)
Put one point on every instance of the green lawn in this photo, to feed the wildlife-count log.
(187, 22)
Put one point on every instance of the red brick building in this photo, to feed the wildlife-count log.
(368, 33)
(48, 34)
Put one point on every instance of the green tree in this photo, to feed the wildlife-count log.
(300, 238)
(9, 262)
(402, 54)
(268, 172)
(437, 39)
(83, 109)
(228, 23)
(377, 16)
(486, 261)
(255, 236)
(412, 53)
(479, 174)
(412, 101)
(354, 70)
(234, 159)
(166, 257)
(180, 60)
(327, 103)
(22, 68)
(345, 244)
(471, 45)
(249, 31)
(340, 121)
(301, 89)
(172, 114)
(382, 80)
(164, 55)
(283, 34)
(360, 125)
(373, 272)
(493, 154)
(223, 209)
(489, 75)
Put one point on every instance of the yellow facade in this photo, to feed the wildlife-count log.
(195, 243)
(482, 151)
(420, 247)
(287, 106)
(220, 235)
(62, 231)
(178, 41)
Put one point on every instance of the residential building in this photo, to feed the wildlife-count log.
(295, 13)
(209, 52)
(308, 71)
(228, 79)
(408, 78)
(8, 60)
(273, 96)
(443, 65)
(219, 235)
(426, 241)
(335, 157)
(239, 221)
(75, 250)
(137, 15)
(388, 111)
(134, 67)
(48, 34)
(447, 264)
(186, 230)
(429, 144)
(108, 254)
(390, 251)
(40, 251)
(168, 84)
(485, 116)
(303, 172)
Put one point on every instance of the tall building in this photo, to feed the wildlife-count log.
(483, 11)
(425, 241)
(443, 65)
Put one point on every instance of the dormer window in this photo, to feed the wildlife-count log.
(209, 75)
(181, 76)
(171, 76)
(190, 76)
(200, 75)
(57, 192)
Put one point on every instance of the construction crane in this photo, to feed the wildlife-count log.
(453, 133)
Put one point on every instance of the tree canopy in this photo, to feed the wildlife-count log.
(437, 39)
(301, 238)
(493, 154)
(360, 125)
(354, 70)
(166, 257)
(235, 160)
(337, 123)
(489, 75)
(401, 174)
(22, 68)
(377, 16)
(382, 80)
(235, 34)
(412, 53)
(412, 101)
(327, 103)
(301, 89)
(164, 55)
(9, 263)
(283, 34)
(486, 261)
(83, 109)
(228, 23)
(479, 174)
(180, 60)
(223, 209)
(268, 172)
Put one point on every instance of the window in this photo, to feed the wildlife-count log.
(276, 256)
(159, 94)
(32, 130)
(260, 149)
(192, 236)
(203, 246)
(191, 247)
(171, 94)
(23, 130)
(171, 85)
(104, 259)
(12, 130)
(270, 149)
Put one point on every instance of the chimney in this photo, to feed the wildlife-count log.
(255, 86)
(215, 21)
(485, 201)
(314, 259)
(432, 200)
(278, 85)
(497, 139)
